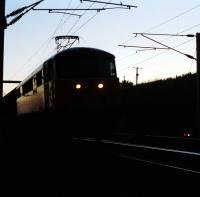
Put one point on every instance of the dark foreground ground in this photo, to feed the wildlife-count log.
(88, 171)
(42, 159)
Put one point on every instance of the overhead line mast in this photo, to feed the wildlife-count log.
(137, 74)
(3, 25)
(2, 28)
(198, 82)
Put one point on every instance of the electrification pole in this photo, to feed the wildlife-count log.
(137, 74)
(198, 82)
(2, 28)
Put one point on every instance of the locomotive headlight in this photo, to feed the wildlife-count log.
(78, 86)
(100, 85)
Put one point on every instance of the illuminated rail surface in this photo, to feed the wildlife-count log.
(182, 160)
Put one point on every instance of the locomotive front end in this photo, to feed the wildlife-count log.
(86, 80)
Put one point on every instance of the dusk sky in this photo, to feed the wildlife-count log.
(30, 41)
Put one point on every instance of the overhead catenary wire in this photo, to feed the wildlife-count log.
(79, 28)
(73, 26)
(109, 3)
(149, 58)
(129, 6)
(21, 12)
(91, 19)
(168, 47)
(159, 34)
(169, 37)
(86, 22)
(192, 62)
(57, 28)
(143, 47)
(57, 12)
(118, 6)
(162, 23)
(154, 56)
(44, 44)
(47, 42)
(77, 21)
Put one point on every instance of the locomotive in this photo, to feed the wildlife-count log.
(79, 78)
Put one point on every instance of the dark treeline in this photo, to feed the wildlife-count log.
(164, 107)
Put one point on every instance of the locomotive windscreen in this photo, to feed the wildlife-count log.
(86, 67)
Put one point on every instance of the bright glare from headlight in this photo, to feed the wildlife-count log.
(100, 85)
(78, 86)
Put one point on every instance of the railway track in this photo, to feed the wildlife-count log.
(86, 166)
(156, 151)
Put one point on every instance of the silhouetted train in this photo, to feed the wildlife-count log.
(75, 78)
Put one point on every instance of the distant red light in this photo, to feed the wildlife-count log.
(186, 134)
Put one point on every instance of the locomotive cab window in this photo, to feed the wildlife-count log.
(86, 67)
(112, 69)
